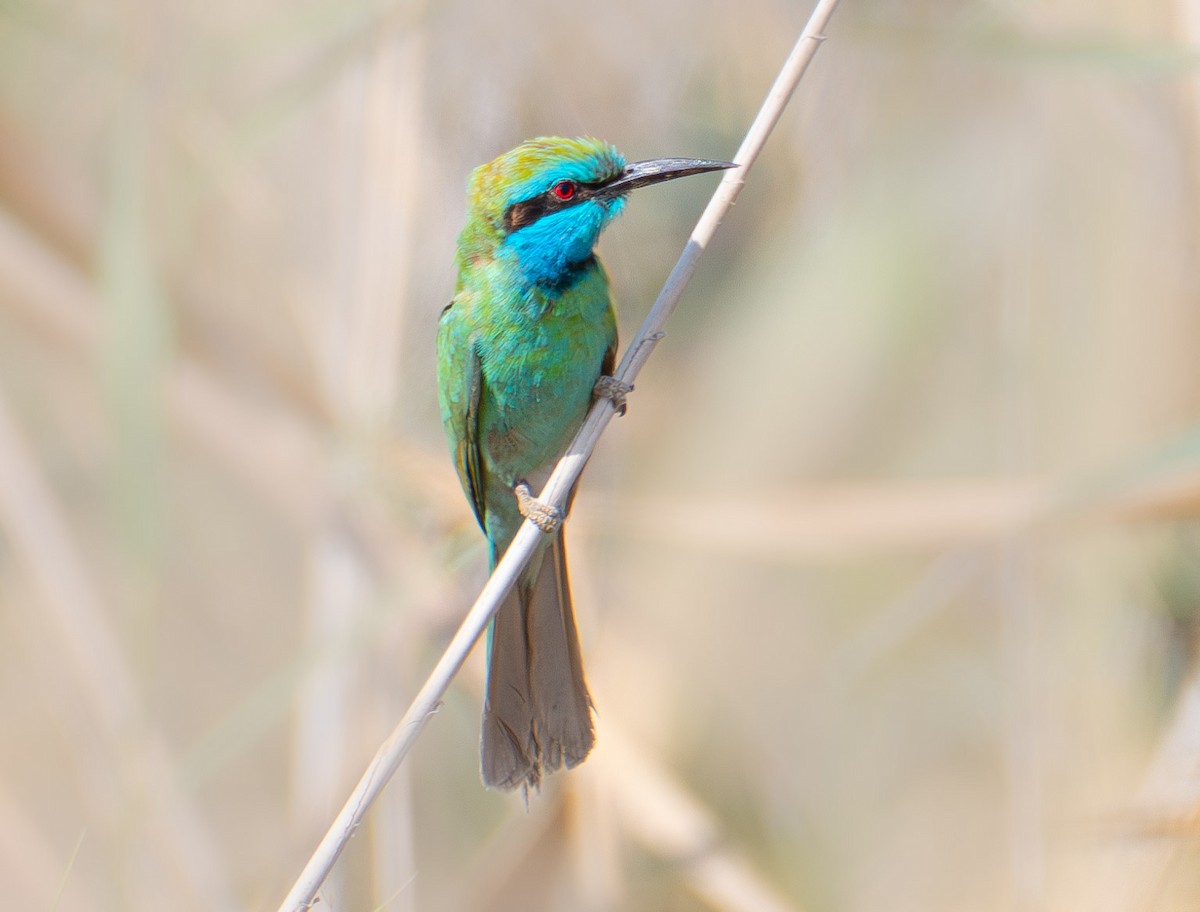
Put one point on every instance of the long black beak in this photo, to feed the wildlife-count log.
(645, 173)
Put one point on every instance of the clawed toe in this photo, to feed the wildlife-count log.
(546, 517)
(614, 390)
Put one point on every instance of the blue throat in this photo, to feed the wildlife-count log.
(554, 250)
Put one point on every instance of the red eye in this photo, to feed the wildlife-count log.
(564, 190)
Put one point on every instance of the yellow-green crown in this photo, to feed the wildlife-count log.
(534, 167)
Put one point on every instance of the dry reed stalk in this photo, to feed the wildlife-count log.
(389, 756)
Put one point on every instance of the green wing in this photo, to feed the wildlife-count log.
(609, 364)
(460, 383)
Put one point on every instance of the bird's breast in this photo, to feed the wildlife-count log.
(539, 368)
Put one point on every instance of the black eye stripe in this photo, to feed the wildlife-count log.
(526, 212)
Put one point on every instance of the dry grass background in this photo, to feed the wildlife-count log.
(889, 582)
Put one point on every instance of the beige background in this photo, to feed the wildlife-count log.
(889, 581)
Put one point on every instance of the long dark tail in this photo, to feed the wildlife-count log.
(537, 715)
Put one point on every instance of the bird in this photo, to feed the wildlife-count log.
(526, 342)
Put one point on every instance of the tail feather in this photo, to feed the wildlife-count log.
(537, 715)
(508, 747)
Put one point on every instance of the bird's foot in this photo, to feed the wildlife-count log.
(546, 517)
(613, 389)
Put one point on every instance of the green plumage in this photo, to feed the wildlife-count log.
(520, 347)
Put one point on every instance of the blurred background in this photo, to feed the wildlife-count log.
(889, 582)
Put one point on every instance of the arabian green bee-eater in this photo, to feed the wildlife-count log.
(521, 346)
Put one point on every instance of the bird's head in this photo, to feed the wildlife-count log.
(546, 201)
